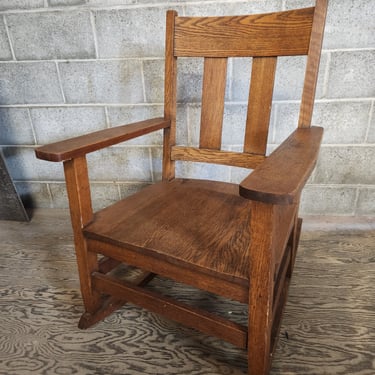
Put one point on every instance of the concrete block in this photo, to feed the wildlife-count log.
(59, 195)
(371, 133)
(326, 200)
(240, 79)
(127, 189)
(343, 122)
(289, 78)
(366, 201)
(137, 32)
(238, 174)
(54, 124)
(234, 122)
(51, 35)
(54, 3)
(346, 165)
(232, 7)
(21, 4)
(24, 166)
(182, 121)
(15, 127)
(129, 114)
(102, 81)
(102, 195)
(203, 171)
(190, 80)
(156, 160)
(350, 24)
(120, 164)
(294, 4)
(5, 52)
(351, 74)
(290, 74)
(34, 194)
(29, 83)
(193, 125)
(153, 71)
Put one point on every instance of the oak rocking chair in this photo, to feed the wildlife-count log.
(238, 241)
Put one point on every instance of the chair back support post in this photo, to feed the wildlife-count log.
(312, 64)
(170, 97)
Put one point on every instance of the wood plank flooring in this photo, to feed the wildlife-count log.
(328, 326)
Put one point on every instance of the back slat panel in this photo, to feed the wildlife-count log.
(260, 103)
(273, 34)
(215, 73)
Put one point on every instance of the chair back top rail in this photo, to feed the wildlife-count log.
(270, 34)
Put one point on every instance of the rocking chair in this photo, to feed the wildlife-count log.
(237, 241)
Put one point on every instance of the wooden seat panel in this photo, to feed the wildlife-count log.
(167, 219)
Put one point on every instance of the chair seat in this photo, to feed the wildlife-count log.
(196, 224)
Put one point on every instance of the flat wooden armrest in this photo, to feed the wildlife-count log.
(79, 146)
(281, 177)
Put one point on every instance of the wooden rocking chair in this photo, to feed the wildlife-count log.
(238, 241)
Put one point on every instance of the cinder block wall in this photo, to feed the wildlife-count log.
(68, 67)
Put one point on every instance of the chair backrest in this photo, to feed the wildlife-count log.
(263, 37)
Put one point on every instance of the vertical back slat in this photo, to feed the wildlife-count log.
(260, 103)
(312, 65)
(214, 80)
(170, 101)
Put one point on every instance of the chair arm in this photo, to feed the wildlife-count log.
(82, 145)
(281, 177)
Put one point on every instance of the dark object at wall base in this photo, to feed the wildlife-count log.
(11, 207)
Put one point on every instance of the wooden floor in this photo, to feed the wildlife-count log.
(328, 327)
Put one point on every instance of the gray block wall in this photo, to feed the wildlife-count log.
(68, 67)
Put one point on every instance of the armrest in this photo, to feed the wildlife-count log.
(281, 177)
(82, 145)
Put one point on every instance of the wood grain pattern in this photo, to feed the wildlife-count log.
(261, 251)
(312, 65)
(283, 174)
(237, 159)
(198, 318)
(274, 34)
(82, 145)
(213, 240)
(260, 103)
(329, 315)
(213, 94)
(78, 189)
(170, 97)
